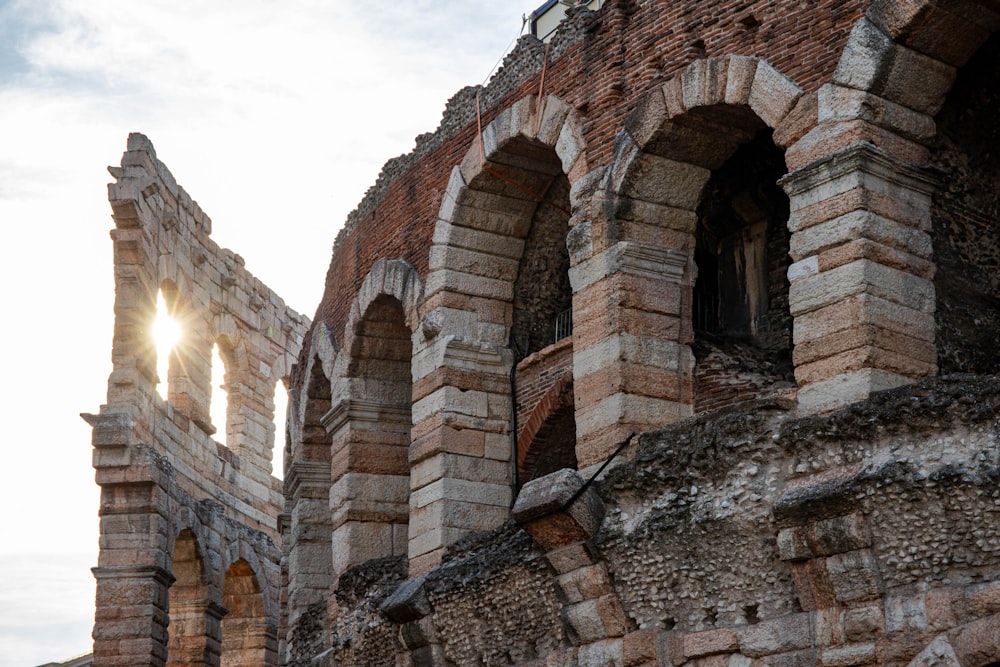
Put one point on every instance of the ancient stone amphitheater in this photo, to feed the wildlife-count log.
(674, 345)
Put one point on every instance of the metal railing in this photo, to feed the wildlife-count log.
(564, 325)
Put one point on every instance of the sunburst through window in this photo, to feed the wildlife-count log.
(166, 334)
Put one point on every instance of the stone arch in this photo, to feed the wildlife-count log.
(307, 488)
(194, 619)
(634, 372)
(462, 394)
(487, 210)
(241, 549)
(388, 277)
(907, 53)
(250, 627)
(547, 441)
(370, 419)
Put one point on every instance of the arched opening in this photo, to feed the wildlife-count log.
(166, 334)
(370, 425)
(192, 631)
(496, 285)
(281, 446)
(547, 442)
(219, 406)
(244, 627)
(964, 214)
(542, 305)
(542, 291)
(740, 315)
(307, 488)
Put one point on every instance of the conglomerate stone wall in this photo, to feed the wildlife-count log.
(747, 536)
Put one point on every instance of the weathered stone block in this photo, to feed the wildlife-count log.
(864, 622)
(854, 576)
(739, 79)
(407, 603)
(788, 633)
(772, 95)
(570, 557)
(939, 653)
(607, 653)
(639, 648)
(905, 613)
(703, 82)
(708, 642)
(848, 656)
(663, 181)
(557, 510)
(585, 583)
(845, 388)
(861, 276)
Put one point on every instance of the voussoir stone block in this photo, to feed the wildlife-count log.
(558, 510)
(772, 95)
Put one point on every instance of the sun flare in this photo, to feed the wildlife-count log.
(166, 334)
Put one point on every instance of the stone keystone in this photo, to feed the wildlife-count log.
(559, 509)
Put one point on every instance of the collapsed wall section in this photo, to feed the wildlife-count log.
(868, 536)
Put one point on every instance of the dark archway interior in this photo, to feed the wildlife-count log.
(315, 439)
(554, 446)
(740, 304)
(382, 353)
(542, 290)
(965, 216)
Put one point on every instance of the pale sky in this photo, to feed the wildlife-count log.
(274, 116)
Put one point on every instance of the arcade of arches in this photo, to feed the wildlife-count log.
(673, 345)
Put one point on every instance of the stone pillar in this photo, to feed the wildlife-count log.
(308, 537)
(460, 458)
(632, 361)
(370, 480)
(130, 624)
(249, 641)
(195, 633)
(861, 291)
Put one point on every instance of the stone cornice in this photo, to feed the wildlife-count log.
(158, 574)
(864, 157)
(306, 473)
(361, 410)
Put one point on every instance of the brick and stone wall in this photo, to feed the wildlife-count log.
(787, 142)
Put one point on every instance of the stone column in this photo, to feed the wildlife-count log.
(632, 361)
(370, 480)
(130, 624)
(308, 537)
(460, 458)
(195, 633)
(861, 290)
